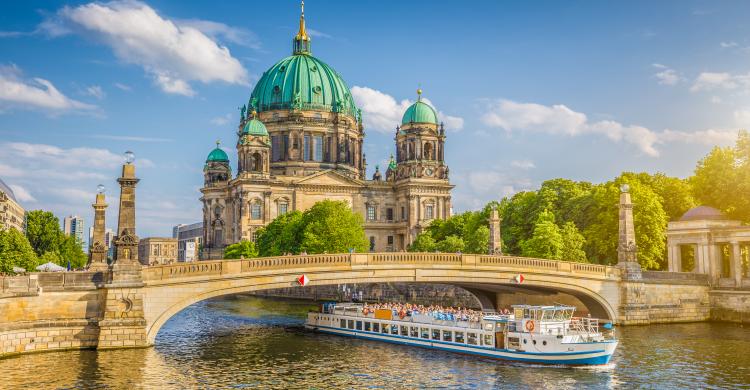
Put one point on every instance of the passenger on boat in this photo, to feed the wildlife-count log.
(436, 311)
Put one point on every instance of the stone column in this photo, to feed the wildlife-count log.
(496, 243)
(126, 242)
(736, 264)
(627, 249)
(98, 247)
(674, 257)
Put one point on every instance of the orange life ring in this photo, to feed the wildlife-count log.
(530, 325)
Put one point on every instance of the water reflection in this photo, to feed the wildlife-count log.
(258, 343)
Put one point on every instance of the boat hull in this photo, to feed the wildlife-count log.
(598, 356)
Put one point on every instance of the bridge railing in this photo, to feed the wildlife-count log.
(522, 264)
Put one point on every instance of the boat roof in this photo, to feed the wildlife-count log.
(543, 307)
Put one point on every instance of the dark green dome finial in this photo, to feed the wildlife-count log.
(419, 112)
(217, 155)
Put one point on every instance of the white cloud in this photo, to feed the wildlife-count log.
(95, 91)
(221, 120)
(522, 164)
(131, 138)
(560, 120)
(707, 81)
(36, 93)
(22, 194)
(666, 75)
(216, 30)
(382, 112)
(476, 187)
(123, 87)
(726, 45)
(172, 53)
(742, 118)
(715, 99)
(317, 34)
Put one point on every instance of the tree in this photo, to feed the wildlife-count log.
(42, 231)
(423, 243)
(15, 251)
(51, 256)
(241, 249)
(546, 242)
(451, 244)
(573, 240)
(69, 249)
(478, 241)
(281, 236)
(332, 227)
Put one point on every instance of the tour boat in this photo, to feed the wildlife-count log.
(531, 334)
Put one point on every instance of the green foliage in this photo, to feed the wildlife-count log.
(327, 227)
(69, 249)
(423, 243)
(478, 241)
(243, 249)
(573, 241)
(722, 179)
(281, 236)
(15, 251)
(451, 244)
(43, 231)
(546, 242)
(50, 256)
(332, 227)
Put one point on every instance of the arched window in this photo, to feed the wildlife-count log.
(372, 243)
(256, 210)
(428, 151)
(257, 162)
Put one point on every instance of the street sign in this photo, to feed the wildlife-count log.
(519, 278)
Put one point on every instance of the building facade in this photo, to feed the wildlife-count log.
(189, 241)
(12, 215)
(157, 250)
(73, 226)
(300, 141)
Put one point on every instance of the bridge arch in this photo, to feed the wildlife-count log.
(171, 288)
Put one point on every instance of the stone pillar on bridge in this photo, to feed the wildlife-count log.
(122, 323)
(98, 247)
(627, 249)
(496, 242)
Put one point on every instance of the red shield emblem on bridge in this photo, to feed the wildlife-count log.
(303, 280)
(519, 278)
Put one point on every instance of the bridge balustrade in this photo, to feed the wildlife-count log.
(523, 262)
(295, 262)
(183, 270)
(416, 258)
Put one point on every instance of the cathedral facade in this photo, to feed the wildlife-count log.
(300, 141)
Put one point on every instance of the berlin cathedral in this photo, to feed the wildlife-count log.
(299, 141)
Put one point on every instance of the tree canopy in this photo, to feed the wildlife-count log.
(241, 249)
(15, 251)
(45, 236)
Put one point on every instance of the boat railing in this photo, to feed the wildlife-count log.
(413, 318)
(585, 325)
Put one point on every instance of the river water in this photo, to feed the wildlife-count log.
(248, 342)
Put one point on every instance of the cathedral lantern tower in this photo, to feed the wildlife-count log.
(420, 143)
(217, 169)
(253, 148)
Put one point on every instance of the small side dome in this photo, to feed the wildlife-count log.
(420, 112)
(217, 155)
(703, 213)
(255, 127)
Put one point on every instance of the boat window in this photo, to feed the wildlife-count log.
(404, 330)
(511, 327)
(359, 325)
(414, 331)
(447, 335)
(488, 340)
(368, 326)
(499, 327)
(471, 338)
(460, 337)
(343, 323)
(351, 324)
(394, 329)
(375, 327)
(385, 328)
(489, 326)
(436, 334)
(425, 333)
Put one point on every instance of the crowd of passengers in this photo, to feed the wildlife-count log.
(435, 311)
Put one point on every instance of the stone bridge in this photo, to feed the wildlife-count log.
(49, 311)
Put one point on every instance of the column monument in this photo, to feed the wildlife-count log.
(627, 249)
(496, 242)
(98, 248)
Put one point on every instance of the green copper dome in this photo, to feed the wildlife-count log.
(255, 127)
(303, 82)
(419, 112)
(217, 155)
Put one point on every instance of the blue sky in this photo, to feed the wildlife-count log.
(529, 90)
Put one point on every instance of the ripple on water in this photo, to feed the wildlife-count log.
(246, 342)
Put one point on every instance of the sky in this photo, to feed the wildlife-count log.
(528, 90)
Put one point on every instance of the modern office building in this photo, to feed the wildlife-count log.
(189, 241)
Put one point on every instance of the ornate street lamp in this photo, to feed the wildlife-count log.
(129, 157)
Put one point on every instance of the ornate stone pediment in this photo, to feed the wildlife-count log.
(126, 239)
(329, 178)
